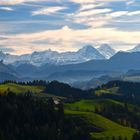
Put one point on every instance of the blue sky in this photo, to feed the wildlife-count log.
(67, 25)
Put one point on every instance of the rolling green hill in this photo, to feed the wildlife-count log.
(113, 90)
(16, 88)
(86, 109)
(110, 128)
(19, 89)
(90, 105)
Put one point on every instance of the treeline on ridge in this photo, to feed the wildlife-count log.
(27, 118)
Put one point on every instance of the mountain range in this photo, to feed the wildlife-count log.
(50, 57)
(78, 67)
(119, 63)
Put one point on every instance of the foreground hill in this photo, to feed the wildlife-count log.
(18, 89)
(87, 109)
(27, 118)
(90, 114)
(44, 89)
(118, 111)
(108, 129)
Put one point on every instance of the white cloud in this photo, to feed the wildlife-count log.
(10, 2)
(133, 13)
(89, 6)
(48, 10)
(82, 1)
(68, 39)
(92, 12)
(93, 1)
(130, 2)
(13, 2)
(6, 8)
(92, 17)
(97, 17)
(118, 14)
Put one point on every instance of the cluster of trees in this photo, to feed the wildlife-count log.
(128, 90)
(31, 83)
(57, 88)
(23, 117)
(61, 89)
(119, 138)
(136, 136)
(122, 114)
(26, 117)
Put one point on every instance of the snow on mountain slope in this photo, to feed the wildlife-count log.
(52, 57)
(106, 51)
(135, 49)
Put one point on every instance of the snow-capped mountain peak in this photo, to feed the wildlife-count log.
(53, 57)
(135, 49)
(106, 50)
(87, 48)
(90, 52)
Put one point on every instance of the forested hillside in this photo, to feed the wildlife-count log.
(40, 110)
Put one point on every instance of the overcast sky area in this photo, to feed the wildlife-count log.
(67, 25)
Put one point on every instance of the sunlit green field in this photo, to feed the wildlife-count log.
(16, 88)
(110, 128)
(90, 105)
(113, 90)
(19, 89)
(86, 108)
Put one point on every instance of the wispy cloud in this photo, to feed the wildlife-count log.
(118, 14)
(67, 38)
(48, 10)
(94, 1)
(6, 9)
(89, 6)
(129, 2)
(92, 12)
(133, 13)
(14, 2)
